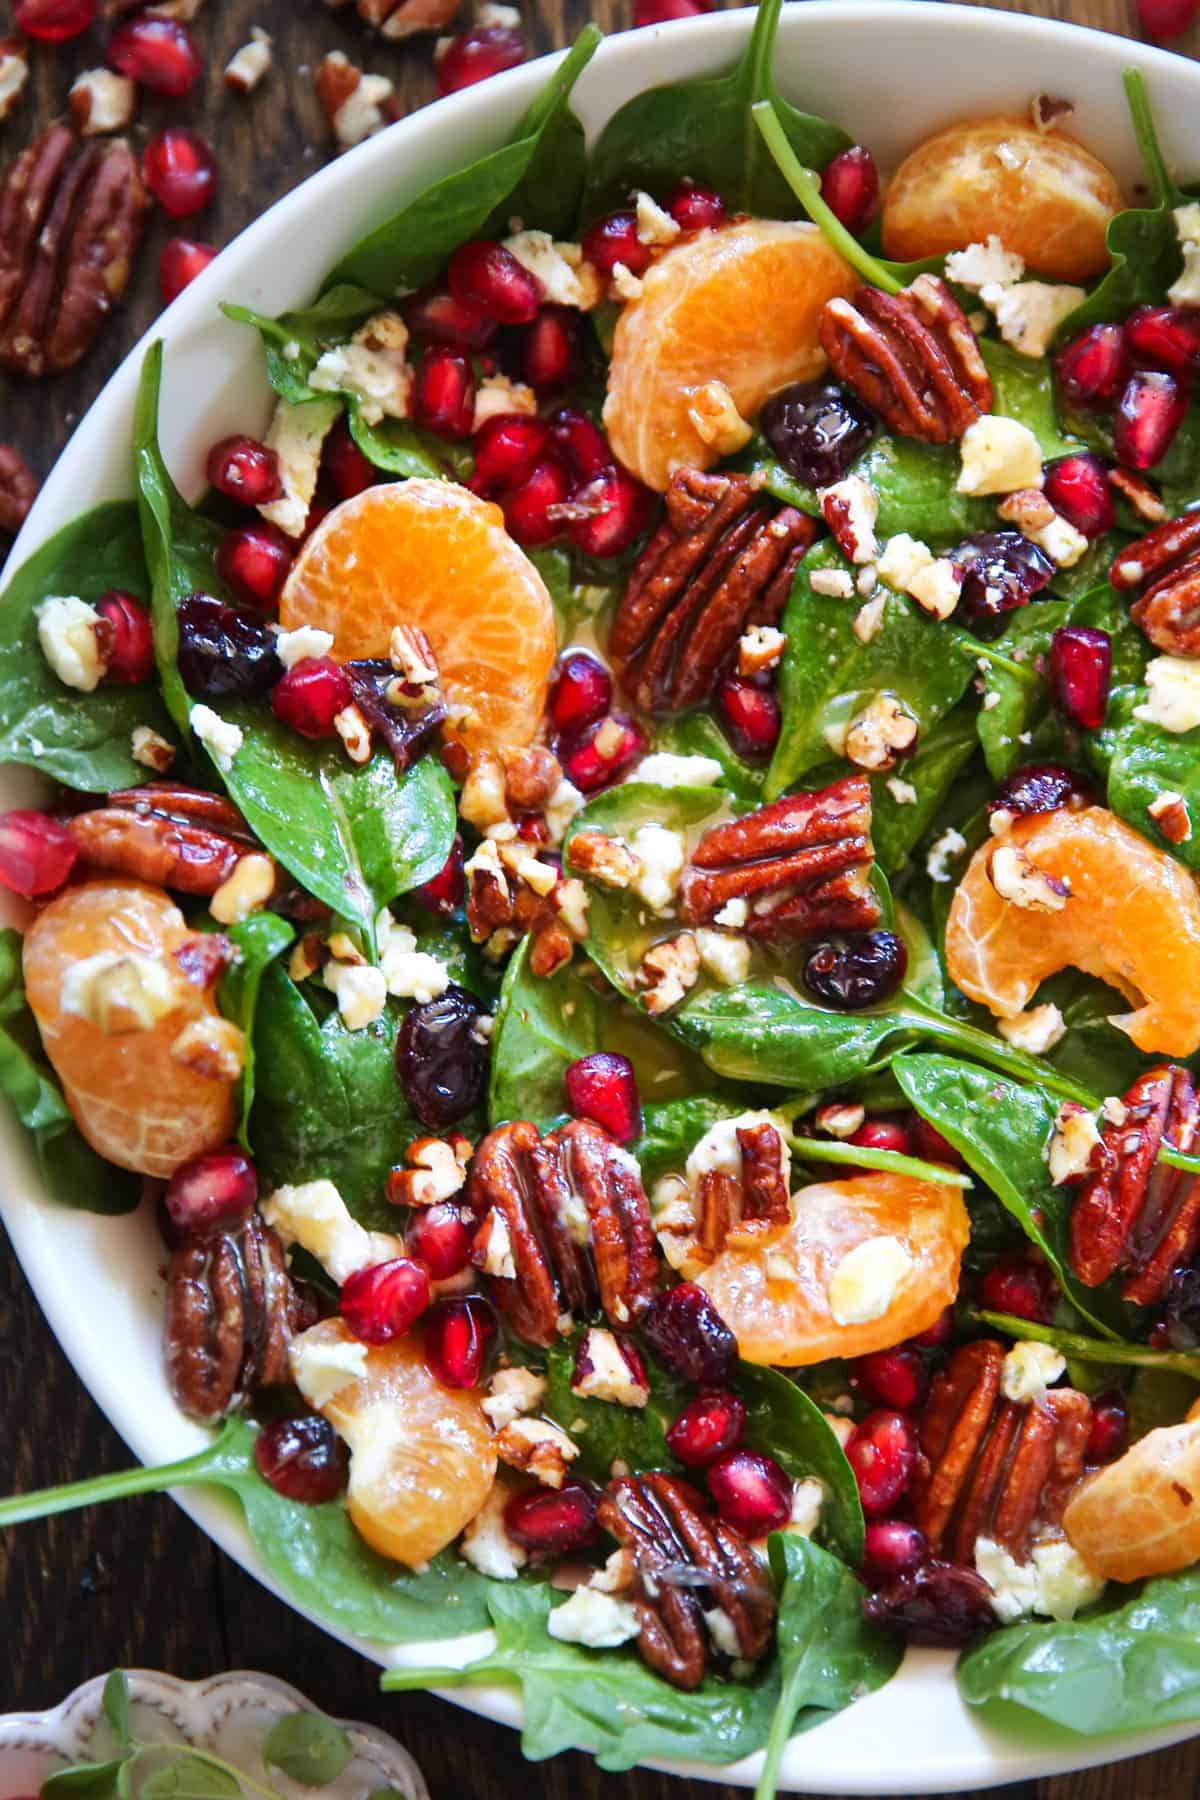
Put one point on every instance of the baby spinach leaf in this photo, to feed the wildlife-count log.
(606, 1432)
(1076, 1347)
(542, 1026)
(1015, 690)
(538, 175)
(397, 447)
(189, 1775)
(85, 1781)
(828, 674)
(258, 941)
(1146, 762)
(915, 483)
(672, 1128)
(705, 128)
(1093, 1052)
(698, 734)
(898, 825)
(1129, 1667)
(1158, 1397)
(1023, 389)
(308, 1747)
(295, 341)
(784, 1421)
(605, 1701)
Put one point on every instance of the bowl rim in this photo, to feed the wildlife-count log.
(861, 1755)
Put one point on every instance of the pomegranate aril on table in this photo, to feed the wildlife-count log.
(658, 12)
(181, 261)
(477, 54)
(54, 21)
(180, 170)
(160, 54)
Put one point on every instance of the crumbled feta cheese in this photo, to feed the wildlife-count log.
(603, 1372)
(314, 1215)
(1056, 1582)
(486, 1543)
(322, 1365)
(1019, 880)
(716, 419)
(902, 561)
(836, 584)
(666, 770)
(302, 644)
(661, 854)
(1036, 1030)
(1014, 1585)
(566, 279)
(902, 792)
(850, 508)
(808, 1497)
(119, 991)
(864, 1284)
(936, 589)
(68, 632)
(246, 68)
(626, 285)
(654, 226)
(868, 620)
(733, 914)
(1029, 1369)
(561, 808)
(410, 974)
(244, 892)
(1174, 697)
(220, 737)
(998, 455)
(984, 265)
(600, 1621)
(725, 958)
(296, 435)
(497, 397)
(1068, 1150)
(1030, 312)
(719, 1151)
(372, 367)
(99, 101)
(944, 851)
(512, 1393)
(360, 991)
(1185, 290)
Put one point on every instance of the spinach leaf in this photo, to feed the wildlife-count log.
(705, 127)
(258, 941)
(606, 1432)
(672, 1128)
(828, 1655)
(1093, 1052)
(185, 1775)
(1146, 762)
(789, 1425)
(1130, 1667)
(542, 1026)
(698, 734)
(1015, 689)
(897, 826)
(1158, 1397)
(295, 341)
(85, 1781)
(83, 740)
(538, 175)
(1023, 388)
(828, 674)
(605, 1701)
(1078, 1348)
(399, 447)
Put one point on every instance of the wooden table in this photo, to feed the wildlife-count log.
(136, 1583)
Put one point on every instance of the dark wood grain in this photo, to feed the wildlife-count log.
(137, 1584)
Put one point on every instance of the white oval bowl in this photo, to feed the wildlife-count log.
(888, 71)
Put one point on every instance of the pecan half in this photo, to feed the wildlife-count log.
(18, 489)
(70, 227)
(723, 560)
(801, 865)
(686, 1563)
(988, 1466)
(1164, 569)
(912, 357)
(173, 836)
(575, 1221)
(1133, 1212)
(231, 1311)
(760, 1198)
(401, 18)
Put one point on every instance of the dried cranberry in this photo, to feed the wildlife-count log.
(437, 317)
(891, 1548)
(1077, 487)
(602, 1087)
(881, 1451)
(254, 561)
(458, 1338)
(243, 469)
(181, 261)
(489, 276)
(129, 652)
(1081, 674)
(619, 507)
(1181, 1320)
(552, 348)
(586, 449)
(687, 1334)
(212, 1193)
(302, 1459)
(157, 53)
(551, 1523)
(440, 1237)
(1149, 413)
(507, 450)
(894, 1378)
(1165, 19)
(345, 464)
(1020, 1287)
(180, 170)
(929, 1144)
(53, 21)
(442, 1058)
(938, 1603)
(311, 695)
(1000, 571)
(445, 893)
(1038, 788)
(694, 208)
(37, 853)
(863, 969)
(1110, 1429)
(386, 1300)
(817, 431)
(707, 1427)
(1165, 337)
(601, 756)
(752, 1492)
(224, 654)
(477, 54)
(658, 12)
(579, 694)
(443, 397)
(614, 239)
(850, 188)
(532, 510)
(749, 713)
(1091, 368)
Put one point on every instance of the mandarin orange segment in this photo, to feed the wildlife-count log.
(133, 1102)
(430, 554)
(1132, 919)
(1140, 1516)
(740, 306)
(775, 1296)
(421, 1456)
(1041, 193)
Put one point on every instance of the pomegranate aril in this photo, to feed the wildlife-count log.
(243, 469)
(36, 853)
(1091, 368)
(1081, 674)
(385, 1301)
(891, 1548)
(253, 562)
(1077, 487)
(458, 1336)
(1019, 1287)
(180, 170)
(694, 208)
(1165, 337)
(552, 349)
(940, 1332)
(752, 1492)
(302, 1459)
(437, 317)
(129, 652)
(707, 1427)
(1110, 1429)
(687, 1334)
(440, 1237)
(622, 512)
(490, 277)
(658, 12)
(850, 188)
(212, 1193)
(350, 471)
(156, 53)
(882, 1134)
(600, 757)
(443, 399)
(551, 1522)
(311, 695)
(749, 715)
(602, 1087)
(1149, 413)
(507, 450)
(1165, 19)
(881, 1451)
(531, 510)
(477, 55)
(929, 1144)
(224, 654)
(181, 261)
(895, 1378)
(587, 451)
(53, 21)
(614, 240)
(580, 694)
(445, 893)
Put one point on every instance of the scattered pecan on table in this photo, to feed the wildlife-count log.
(401, 18)
(1163, 568)
(18, 489)
(912, 357)
(723, 560)
(230, 1315)
(568, 1215)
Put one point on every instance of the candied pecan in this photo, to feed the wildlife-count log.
(912, 357)
(760, 1197)
(802, 864)
(173, 836)
(18, 489)
(575, 1221)
(724, 560)
(991, 1467)
(1132, 1212)
(687, 1563)
(1164, 567)
(70, 227)
(230, 1315)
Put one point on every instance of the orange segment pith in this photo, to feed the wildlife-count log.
(1139, 1516)
(1132, 919)
(775, 1297)
(740, 306)
(431, 554)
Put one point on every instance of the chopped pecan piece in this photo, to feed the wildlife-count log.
(759, 1198)
(911, 356)
(576, 1224)
(511, 893)
(686, 1563)
(18, 489)
(724, 560)
(230, 1315)
(1132, 1212)
(803, 864)
(173, 836)
(70, 227)
(401, 18)
(989, 1467)
(1164, 569)
(668, 972)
